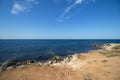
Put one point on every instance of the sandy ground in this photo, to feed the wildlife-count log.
(90, 66)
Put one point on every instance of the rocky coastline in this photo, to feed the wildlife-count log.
(55, 59)
(100, 64)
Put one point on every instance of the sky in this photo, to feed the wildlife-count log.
(59, 19)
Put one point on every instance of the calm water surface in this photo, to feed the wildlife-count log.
(18, 50)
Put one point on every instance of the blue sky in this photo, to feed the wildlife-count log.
(59, 19)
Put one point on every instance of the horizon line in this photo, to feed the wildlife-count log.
(60, 39)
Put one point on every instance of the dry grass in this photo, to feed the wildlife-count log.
(115, 51)
(104, 60)
(90, 76)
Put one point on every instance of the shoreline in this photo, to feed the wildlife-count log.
(106, 57)
(55, 59)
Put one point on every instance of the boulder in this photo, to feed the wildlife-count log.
(97, 45)
(22, 66)
(31, 61)
(57, 59)
(5, 65)
(11, 67)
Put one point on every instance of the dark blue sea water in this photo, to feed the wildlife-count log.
(20, 50)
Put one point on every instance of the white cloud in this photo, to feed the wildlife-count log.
(79, 1)
(17, 8)
(67, 10)
(22, 6)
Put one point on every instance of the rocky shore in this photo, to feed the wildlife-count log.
(55, 59)
(101, 64)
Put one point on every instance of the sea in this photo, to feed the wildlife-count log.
(30, 49)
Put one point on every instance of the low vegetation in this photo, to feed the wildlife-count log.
(104, 60)
(115, 51)
(90, 76)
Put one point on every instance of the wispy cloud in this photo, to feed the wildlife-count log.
(22, 6)
(68, 9)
